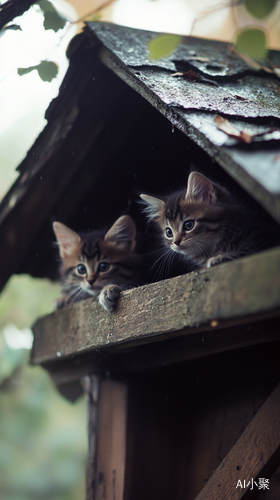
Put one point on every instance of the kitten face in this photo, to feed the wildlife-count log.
(91, 261)
(190, 220)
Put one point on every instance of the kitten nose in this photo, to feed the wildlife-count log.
(91, 279)
(177, 242)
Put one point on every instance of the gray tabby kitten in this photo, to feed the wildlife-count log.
(205, 225)
(98, 263)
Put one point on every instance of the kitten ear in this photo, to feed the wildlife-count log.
(153, 205)
(200, 188)
(123, 233)
(67, 239)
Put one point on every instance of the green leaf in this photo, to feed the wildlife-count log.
(163, 45)
(53, 21)
(252, 41)
(24, 71)
(260, 8)
(47, 70)
(46, 6)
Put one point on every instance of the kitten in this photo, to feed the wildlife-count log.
(206, 225)
(98, 263)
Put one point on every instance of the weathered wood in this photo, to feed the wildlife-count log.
(274, 488)
(184, 419)
(111, 440)
(258, 445)
(231, 293)
(73, 128)
(165, 353)
(91, 385)
(191, 107)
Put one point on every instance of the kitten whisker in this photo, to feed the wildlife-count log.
(99, 257)
(72, 296)
(161, 269)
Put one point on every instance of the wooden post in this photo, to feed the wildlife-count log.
(91, 385)
(111, 440)
(256, 450)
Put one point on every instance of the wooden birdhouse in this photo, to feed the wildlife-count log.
(182, 380)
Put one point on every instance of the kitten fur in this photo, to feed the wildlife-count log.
(205, 224)
(98, 263)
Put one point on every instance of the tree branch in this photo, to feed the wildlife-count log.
(12, 9)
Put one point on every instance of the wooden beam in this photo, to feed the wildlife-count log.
(111, 440)
(167, 352)
(232, 293)
(253, 453)
(91, 384)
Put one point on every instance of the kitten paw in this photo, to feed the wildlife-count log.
(108, 297)
(218, 259)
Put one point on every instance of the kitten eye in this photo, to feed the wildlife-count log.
(103, 267)
(81, 269)
(168, 232)
(188, 225)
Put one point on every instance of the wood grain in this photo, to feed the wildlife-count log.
(167, 352)
(258, 445)
(232, 293)
(91, 384)
(111, 440)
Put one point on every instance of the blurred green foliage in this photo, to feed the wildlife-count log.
(260, 8)
(43, 437)
(25, 298)
(163, 45)
(249, 39)
(47, 70)
(52, 19)
(252, 41)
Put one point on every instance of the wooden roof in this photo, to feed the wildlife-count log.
(228, 86)
(103, 139)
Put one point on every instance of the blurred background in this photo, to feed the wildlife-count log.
(43, 438)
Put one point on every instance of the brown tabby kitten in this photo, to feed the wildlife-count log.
(206, 225)
(98, 263)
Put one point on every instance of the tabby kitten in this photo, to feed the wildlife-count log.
(206, 225)
(98, 263)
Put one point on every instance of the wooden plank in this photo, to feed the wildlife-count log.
(111, 440)
(91, 385)
(232, 293)
(183, 420)
(274, 488)
(165, 353)
(253, 453)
